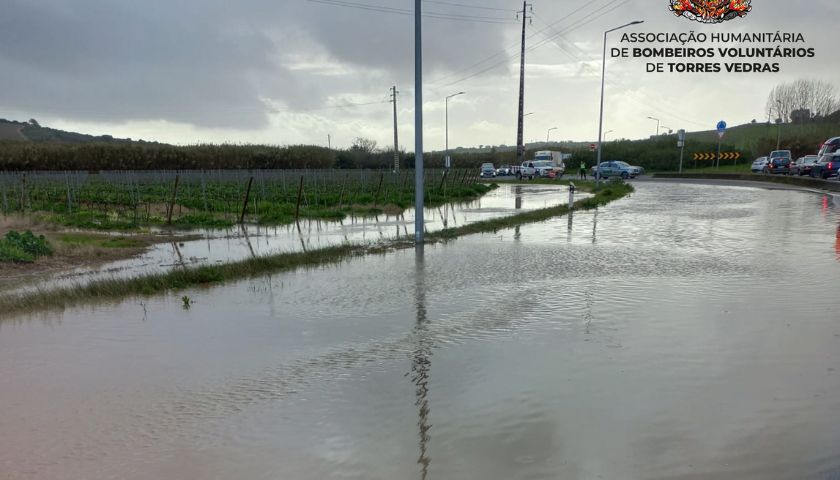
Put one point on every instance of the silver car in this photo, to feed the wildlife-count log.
(759, 164)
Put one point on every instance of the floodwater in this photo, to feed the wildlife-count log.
(230, 245)
(685, 332)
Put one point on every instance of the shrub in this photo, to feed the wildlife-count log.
(23, 248)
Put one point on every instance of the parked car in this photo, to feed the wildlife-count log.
(526, 170)
(544, 168)
(488, 170)
(614, 168)
(781, 154)
(827, 166)
(777, 164)
(639, 170)
(803, 165)
(830, 146)
(504, 171)
(759, 164)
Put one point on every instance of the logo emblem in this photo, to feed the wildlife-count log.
(711, 11)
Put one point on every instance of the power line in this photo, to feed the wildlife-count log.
(514, 47)
(651, 103)
(590, 17)
(402, 11)
(481, 7)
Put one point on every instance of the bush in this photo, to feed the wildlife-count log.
(25, 247)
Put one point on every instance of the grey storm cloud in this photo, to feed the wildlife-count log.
(206, 63)
(230, 66)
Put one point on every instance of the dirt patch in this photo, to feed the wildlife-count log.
(71, 250)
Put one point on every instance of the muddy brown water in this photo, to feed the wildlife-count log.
(686, 332)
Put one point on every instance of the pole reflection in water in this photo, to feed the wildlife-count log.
(300, 234)
(517, 191)
(244, 231)
(569, 226)
(421, 362)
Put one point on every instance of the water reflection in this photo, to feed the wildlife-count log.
(569, 226)
(421, 361)
(837, 244)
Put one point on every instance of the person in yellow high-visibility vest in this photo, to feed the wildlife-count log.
(582, 170)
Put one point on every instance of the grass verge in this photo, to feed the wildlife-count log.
(117, 289)
(605, 195)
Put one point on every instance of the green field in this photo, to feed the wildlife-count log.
(131, 200)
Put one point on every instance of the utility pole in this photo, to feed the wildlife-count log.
(394, 93)
(779, 137)
(419, 224)
(329, 141)
(520, 134)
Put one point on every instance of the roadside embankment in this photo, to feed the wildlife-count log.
(800, 182)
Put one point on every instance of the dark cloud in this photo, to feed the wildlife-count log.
(230, 65)
(207, 63)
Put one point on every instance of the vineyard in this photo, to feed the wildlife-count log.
(126, 200)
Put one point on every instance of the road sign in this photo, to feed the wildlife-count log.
(593, 147)
(681, 135)
(681, 144)
(713, 156)
(721, 128)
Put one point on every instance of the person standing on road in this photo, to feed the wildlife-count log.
(582, 170)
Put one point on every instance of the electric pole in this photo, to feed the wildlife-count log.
(394, 93)
(419, 200)
(520, 134)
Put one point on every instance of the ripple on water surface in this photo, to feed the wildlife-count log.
(676, 334)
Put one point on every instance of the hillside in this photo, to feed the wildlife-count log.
(11, 132)
(760, 138)
(31, 131)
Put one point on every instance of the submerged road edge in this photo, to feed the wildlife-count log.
(115, 290)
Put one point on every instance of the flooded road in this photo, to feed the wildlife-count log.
(685, 332)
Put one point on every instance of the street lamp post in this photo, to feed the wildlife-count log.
(447, 124)
(419, 201)
(548, 134)
(657, 126)
(601, 114)
(607, 133)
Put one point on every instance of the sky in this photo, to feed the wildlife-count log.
(286, 72)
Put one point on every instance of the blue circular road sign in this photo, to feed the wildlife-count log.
(721, 126)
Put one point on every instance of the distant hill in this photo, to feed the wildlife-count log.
(32, 131)
(11, 131)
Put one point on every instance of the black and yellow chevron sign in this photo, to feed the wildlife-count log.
(713, 156)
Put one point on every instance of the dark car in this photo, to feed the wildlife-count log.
(778, 165)
(803, 165)
(828, 166)
(487, 170)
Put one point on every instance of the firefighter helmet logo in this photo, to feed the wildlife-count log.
(711, 11)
